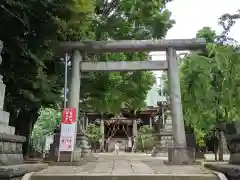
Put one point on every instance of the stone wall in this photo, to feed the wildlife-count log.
(10, 144)
(164, 139)
(166, 142)
(11, 149)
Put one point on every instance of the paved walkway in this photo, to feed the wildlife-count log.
(129, 165)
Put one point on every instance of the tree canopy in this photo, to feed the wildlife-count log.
(33, 72)
(210, 82)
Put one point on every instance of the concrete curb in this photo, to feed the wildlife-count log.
(28, 176)
(101, 176)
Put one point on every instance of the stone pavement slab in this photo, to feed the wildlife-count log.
(118, 168)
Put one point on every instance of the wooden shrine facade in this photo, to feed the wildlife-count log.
(123, 128)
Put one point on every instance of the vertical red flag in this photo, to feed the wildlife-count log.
(69, 116)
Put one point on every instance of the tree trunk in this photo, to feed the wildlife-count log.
(220, 145)
(224, 142)
(215, 147)
(13, 116)
(220, 151)
(102, 134)
(24, 125)
(215, 153)
(223, 146)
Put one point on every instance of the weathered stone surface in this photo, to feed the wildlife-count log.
(2, 93)
(10, 153)
(234, 148)
(10, 144)
(125, 167)
(123, 66)
(82, 144)
(7, 129)
(11, 149)
(11, 159)
(12, 138)
(232, 172)
(166, 139)
(174, 153)
(4, 117)
(133, 45)
(11, 172)
(16, 172)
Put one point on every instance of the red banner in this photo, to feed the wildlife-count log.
(69, 116)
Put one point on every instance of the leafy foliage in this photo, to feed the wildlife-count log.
(209, 83)
(33, 72)
(47, 121)
(93, 133)
(124, 20)
(145, 138)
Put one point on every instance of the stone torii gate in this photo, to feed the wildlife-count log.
(171, 64)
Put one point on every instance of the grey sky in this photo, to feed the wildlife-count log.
(192, 15)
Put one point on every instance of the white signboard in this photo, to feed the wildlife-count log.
(67, 137)
(68, 130)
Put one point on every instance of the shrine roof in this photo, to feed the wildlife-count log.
(119, 118)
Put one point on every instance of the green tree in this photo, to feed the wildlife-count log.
(209, 82)
(124, 20)
(94, 135)
(32, 75)
(145, 138)
(29, 30)
(46, 123)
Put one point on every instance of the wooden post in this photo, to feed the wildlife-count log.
(86, 121)
(150, 121)
(134, 132)
(102, 133)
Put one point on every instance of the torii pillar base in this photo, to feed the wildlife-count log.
(82, 150)
(180, 156)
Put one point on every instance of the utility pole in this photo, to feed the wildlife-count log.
(66, 80)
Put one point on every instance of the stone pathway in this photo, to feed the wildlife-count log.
(127, 166)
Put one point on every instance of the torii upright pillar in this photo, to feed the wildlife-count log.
(82, 149)
(180, 154)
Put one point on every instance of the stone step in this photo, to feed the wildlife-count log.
(4, 117)
(7, 129)
(137, 176)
